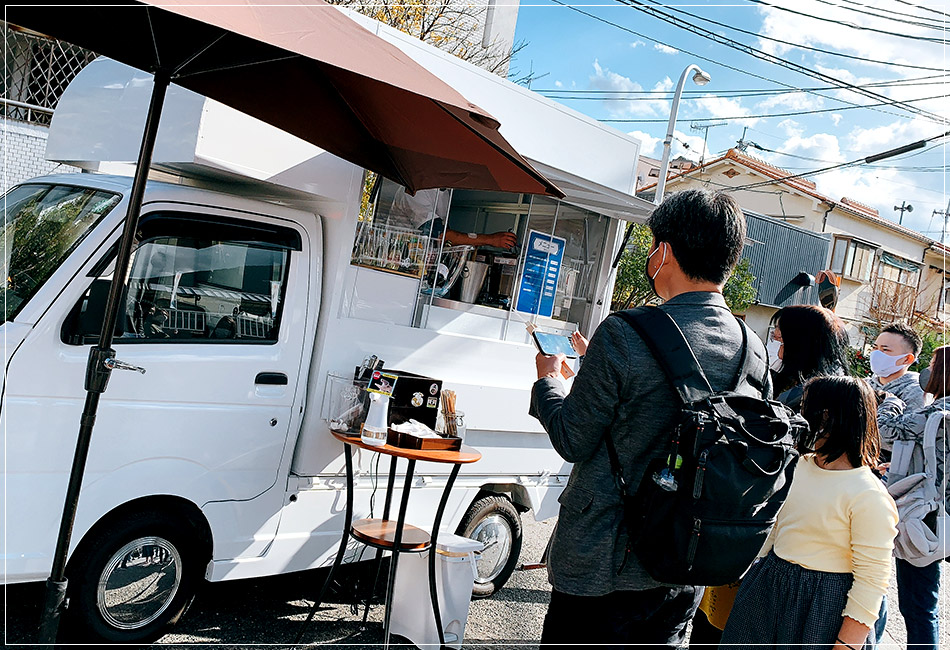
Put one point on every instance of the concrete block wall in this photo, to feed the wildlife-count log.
(23, 148)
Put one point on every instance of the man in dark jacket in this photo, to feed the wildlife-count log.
(597, 596)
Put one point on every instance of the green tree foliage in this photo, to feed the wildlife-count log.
(632, 288)
(932, 339)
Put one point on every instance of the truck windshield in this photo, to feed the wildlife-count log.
(42, 224)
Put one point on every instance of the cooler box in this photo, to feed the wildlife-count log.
(455, 573)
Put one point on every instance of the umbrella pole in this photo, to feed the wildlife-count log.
(99, 368)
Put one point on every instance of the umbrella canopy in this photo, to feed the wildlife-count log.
(304, 67)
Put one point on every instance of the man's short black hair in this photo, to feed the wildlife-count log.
(906, 332)
(706, 231)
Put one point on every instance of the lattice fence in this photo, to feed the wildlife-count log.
(36, 71)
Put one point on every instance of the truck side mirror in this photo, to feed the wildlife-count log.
(84, 322)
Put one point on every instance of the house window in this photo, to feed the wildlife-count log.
(852, 259)
(899, 270)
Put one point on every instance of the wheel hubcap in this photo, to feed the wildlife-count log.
(139, 583)
(494, 532)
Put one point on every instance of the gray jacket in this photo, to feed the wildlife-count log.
(898, 421)
(620, 387)
(906, 388)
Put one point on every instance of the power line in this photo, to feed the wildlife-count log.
(798, 45)
(690, 93)
(939, 41)
(911, 4)
(714, 61)
(771, 58)
(866, 160)
(813, 111)
(864, 12)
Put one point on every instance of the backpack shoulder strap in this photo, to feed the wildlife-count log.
(934, 422)
(752, 368)
(671, 350)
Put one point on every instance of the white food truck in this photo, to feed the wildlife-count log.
(263, 267)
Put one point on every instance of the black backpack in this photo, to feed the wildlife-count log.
(707, 502)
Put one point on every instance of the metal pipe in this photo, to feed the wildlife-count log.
(98, 370)
(701, 79)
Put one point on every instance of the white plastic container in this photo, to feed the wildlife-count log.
(455, 573)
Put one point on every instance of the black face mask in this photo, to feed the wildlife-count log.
(924, 379)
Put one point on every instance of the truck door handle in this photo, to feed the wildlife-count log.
(271, 378)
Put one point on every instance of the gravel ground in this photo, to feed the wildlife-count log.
(273, 610)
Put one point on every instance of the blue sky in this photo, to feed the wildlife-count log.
(610, 73)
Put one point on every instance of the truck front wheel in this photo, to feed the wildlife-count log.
(132, 579)
(494, 521)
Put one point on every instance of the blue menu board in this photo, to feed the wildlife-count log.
(542, 267)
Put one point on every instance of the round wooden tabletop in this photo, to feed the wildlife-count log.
(382, 532)
(464, 455)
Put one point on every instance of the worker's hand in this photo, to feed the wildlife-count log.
(504, 240)
(579, 343)
(549, 366)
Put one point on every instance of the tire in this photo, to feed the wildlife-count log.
(132, 580)
(494, 521)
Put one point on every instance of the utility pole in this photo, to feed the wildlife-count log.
(904, 207)
(741, 145)
(699, 126)
(944, 214)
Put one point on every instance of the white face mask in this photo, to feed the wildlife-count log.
(772, 348)
(885, 365)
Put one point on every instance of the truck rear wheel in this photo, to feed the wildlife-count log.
(494, 521)
(132, 579)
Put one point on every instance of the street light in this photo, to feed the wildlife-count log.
(700, 78)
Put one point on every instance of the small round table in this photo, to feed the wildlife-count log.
(397, 536)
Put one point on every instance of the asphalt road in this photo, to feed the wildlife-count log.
(273, 611)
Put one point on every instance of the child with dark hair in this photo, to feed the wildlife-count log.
(827, 562)
(918, 587)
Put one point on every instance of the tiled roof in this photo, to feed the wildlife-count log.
(803, 185)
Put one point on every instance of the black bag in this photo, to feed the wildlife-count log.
(707, 503)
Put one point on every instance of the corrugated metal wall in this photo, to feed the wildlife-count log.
(777, 252)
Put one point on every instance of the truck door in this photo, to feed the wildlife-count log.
(215, 312)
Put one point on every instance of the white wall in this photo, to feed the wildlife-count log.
(24, 153)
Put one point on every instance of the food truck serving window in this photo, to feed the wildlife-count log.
(474, 263)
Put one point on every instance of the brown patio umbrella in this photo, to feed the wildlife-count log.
(305, 68)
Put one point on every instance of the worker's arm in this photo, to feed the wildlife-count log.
(503, 239)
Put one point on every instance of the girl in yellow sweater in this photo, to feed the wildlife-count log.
(826, 565)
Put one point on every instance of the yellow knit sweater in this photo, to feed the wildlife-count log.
(839, 521)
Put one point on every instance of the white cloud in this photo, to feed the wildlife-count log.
(648, 144)
(715, 107)
(637, 43)
(791, 127)
(836, 118)
(791, 102)
(558, 84)
(619, 104)
(820, 146)
(665, 49)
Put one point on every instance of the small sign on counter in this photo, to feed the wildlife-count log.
(542, 268)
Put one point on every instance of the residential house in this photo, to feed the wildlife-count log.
(879, 262)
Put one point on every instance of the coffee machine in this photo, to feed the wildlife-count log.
(500, 288)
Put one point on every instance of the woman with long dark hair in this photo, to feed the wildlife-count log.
(918, 587)
(828, 559)
(805, 341)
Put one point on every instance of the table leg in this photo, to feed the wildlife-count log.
(378, 555)
(433, 592)
(397, 541)
(348, 517)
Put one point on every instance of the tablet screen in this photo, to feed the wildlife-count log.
(552, 344)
